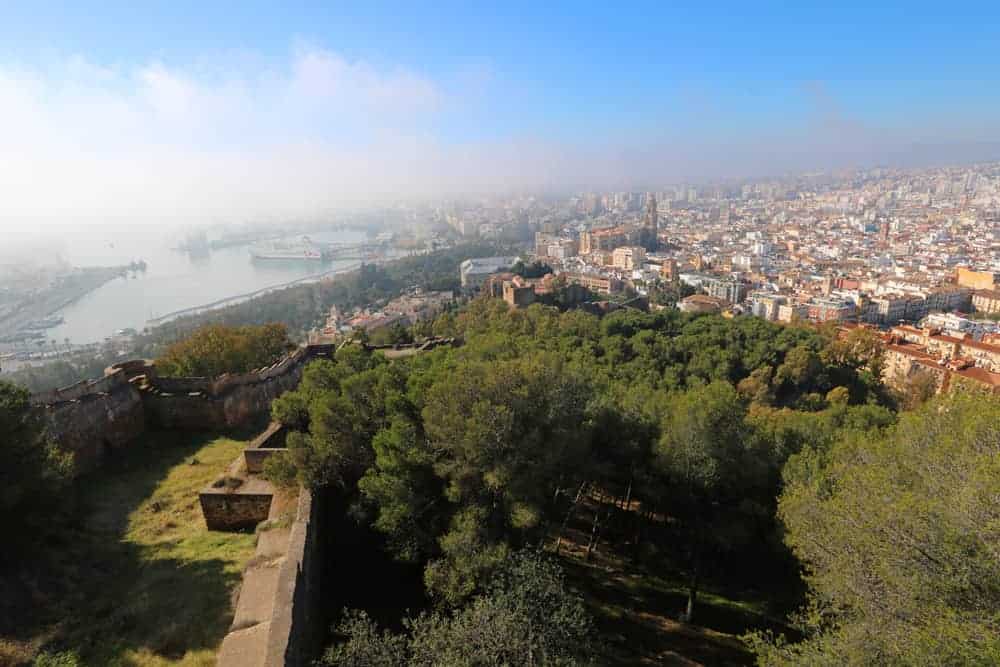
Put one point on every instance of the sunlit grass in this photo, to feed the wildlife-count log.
(145, 583)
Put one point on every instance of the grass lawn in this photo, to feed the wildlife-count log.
(139, 580)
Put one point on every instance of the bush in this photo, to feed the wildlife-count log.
(280, 470)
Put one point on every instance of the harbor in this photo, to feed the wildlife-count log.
(306, 249)
(199, 274)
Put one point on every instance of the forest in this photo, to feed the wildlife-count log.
(724, 453)
(517, 499)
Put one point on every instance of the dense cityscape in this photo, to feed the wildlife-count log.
(915, 253)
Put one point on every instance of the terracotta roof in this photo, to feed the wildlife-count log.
(912, 350)
(987, 347)
(980, 375)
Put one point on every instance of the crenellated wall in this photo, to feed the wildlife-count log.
(216, 404)
(114, 378)
(93, 417)
(93, 426)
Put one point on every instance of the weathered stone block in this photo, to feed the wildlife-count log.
(234, 510)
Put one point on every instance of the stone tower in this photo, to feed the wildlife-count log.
(652, 219)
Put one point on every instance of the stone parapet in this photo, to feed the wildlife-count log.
(276, 622)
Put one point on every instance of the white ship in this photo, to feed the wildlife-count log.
(302, 249)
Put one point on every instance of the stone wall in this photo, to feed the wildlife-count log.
(93, 425)
(114, 378)
(225, 401)
(238, 509)
(278, 621)
(271, 441)
(240, 404)
(93, 417)
(296, 625)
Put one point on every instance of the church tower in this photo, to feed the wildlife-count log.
(652, 215)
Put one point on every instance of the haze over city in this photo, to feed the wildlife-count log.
(116, 112)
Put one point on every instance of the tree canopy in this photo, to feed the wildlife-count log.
(899, 538)
(461, 456)
(535, 269)
(526, 616)
(216, 349)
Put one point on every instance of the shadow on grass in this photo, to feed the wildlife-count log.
(637, 606)
(102, 593)
(637, 619)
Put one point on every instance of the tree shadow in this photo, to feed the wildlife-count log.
(98, 592)
(638, 621)
(361, 572)
(637, 607)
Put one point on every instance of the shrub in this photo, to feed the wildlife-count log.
(280, 471)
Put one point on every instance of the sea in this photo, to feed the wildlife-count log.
(173, 280)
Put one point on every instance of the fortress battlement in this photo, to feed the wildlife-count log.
(93, 417)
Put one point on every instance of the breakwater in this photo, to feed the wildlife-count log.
(239, 298)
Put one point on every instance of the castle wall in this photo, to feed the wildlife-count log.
(112, 380)
(197, 404)
(279, 620)
(265, 445)
(93, 426)
(182, 412)
(91, 418)
(296, 631)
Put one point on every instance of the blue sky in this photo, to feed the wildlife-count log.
(515, 94)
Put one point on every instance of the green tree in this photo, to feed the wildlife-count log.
(860, 348)
(899, 538)
(399, 335)
(33, 471)
(757, 387)
(535, 269)
(800, 369)
(913, 391)
(404, 487)
(526, 616)
(217, 349)
(709, 472)
(515, 433)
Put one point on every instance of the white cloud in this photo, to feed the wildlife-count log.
(82, 140)
(86, 141)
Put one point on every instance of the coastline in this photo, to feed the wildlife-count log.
(53, 303)
(239, 298)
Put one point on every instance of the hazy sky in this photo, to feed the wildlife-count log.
(194, 112)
